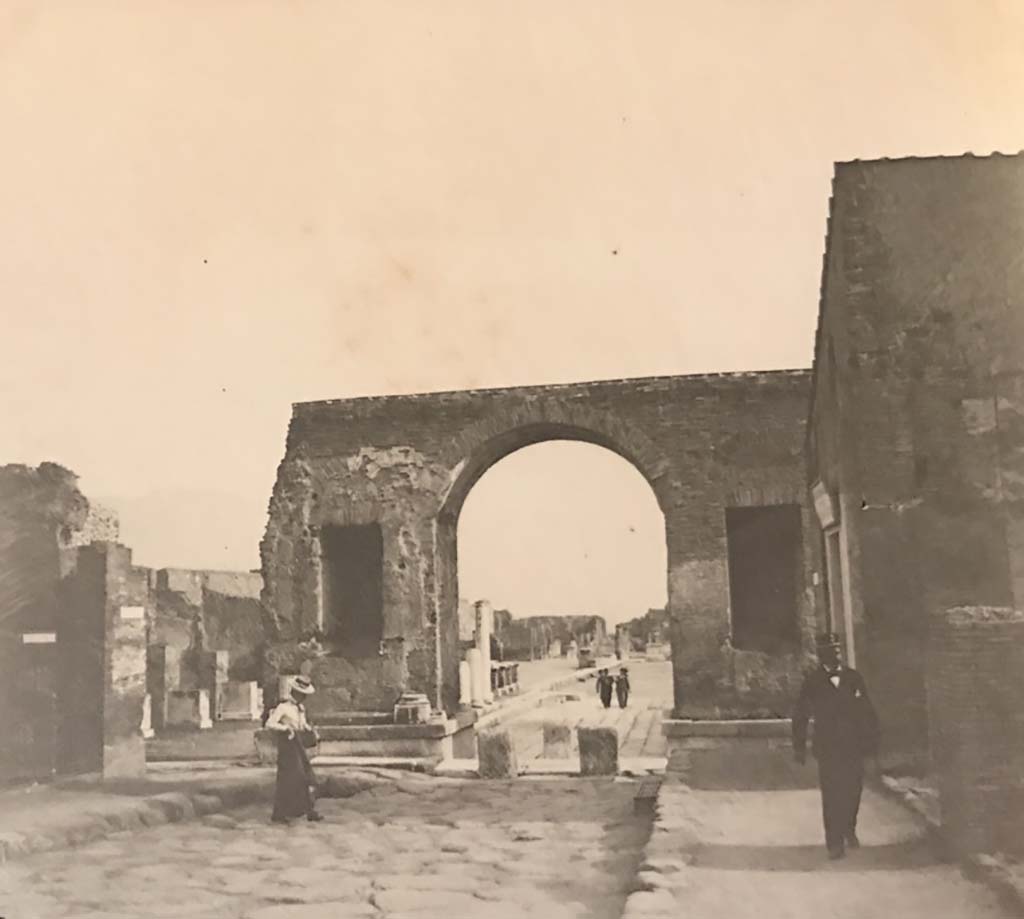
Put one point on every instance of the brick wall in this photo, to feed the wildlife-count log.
(703, 443)
(975, 679)
(41, 510)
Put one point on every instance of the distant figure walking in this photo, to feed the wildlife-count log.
(293, 791)
(622, 687)
(845, 732)
(605, 684)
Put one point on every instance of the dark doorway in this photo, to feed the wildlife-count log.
(353, 558)
(764, 557)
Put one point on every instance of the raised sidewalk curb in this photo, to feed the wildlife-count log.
(516, 705)
(748, 727)
(1007, 883)
(78, 811)
(664, 872)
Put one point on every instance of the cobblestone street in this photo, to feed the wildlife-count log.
(554, 849)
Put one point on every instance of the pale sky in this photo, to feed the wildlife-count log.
(211, 209)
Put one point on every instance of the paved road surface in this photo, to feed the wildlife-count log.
(551, 849)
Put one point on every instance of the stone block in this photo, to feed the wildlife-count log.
(464, 744)
(496, 755)
(599, 751)
(557, 740)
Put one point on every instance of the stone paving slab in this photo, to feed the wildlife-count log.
(548, 849)
(634, 766)
(1002, 874)
(730, 853)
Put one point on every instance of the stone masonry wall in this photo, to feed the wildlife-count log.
(41, 512)
(704, 443)
(975, 680)
(918, 404)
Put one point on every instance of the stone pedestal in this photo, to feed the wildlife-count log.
(557, 740)
(464, 744)
(599, 751)
(496, 755)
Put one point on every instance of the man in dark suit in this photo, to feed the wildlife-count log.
(845, 733)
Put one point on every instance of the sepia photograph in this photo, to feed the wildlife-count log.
(537, 460)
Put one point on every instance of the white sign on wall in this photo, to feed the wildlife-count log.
(39, 638)
(133, 612)
(824, 506)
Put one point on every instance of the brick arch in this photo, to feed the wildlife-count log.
(478, 447)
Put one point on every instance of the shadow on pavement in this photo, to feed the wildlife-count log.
(902, 856)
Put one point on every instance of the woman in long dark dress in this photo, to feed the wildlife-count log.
(293, 792)
(605, 684)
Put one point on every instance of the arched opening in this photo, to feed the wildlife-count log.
(551, 521)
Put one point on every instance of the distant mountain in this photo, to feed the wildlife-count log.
(177, 528)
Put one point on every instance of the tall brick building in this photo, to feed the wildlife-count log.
(915, 444)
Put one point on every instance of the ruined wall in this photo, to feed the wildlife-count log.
(918, 415)
(101, 641)
(233, 620)
(196, 611)
(520, 637)
(704, 443)
(41, 513)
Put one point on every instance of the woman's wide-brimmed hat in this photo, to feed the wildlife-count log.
(302, 684)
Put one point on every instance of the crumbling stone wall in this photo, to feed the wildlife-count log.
(41, 514)
(918, 404)
(193, 613)
(704, 443)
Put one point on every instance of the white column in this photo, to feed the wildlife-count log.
(465, 684)
(203, 704)
(255, 701)
(476, 670)
(483, 643)
(147, 716)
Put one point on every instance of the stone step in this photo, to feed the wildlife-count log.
(331, 719)
(411, 763)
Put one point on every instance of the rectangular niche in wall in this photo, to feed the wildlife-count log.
(764, 576)
(353, 582)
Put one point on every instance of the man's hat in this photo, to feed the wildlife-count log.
(828, 640)
(302, 684)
